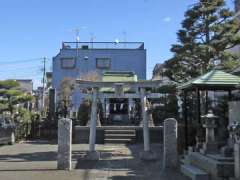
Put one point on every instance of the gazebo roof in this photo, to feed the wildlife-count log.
(213, 80)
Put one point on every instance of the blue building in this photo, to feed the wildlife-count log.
(78, 58)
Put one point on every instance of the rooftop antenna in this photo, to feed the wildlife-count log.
(77, 32)
(92, 37)
(124, 38)
(77, 36)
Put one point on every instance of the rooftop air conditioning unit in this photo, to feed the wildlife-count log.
(85, 47)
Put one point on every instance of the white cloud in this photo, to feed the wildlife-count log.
(167, 19)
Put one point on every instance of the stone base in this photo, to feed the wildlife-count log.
(92, 156)
(209, 148)
(216, 166)
(237, 160)
(148, 155)
(226, 151)
(64, 166)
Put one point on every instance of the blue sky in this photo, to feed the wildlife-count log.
(31, 29)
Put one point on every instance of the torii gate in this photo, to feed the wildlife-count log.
(141, 93)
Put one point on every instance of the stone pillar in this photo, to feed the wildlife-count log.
(146, 154)
(145, 120)
(93, 122)
(233, 111)
(150, 119)
(170, 158)
(107, 109)
(92, 154)
(64, 144)
(130, 102)
(237, 160)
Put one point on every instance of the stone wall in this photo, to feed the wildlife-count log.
(81, 135)
(155, 135)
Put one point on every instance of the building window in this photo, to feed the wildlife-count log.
(68, 63)
(103, 63)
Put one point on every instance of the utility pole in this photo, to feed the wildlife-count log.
(43, 81)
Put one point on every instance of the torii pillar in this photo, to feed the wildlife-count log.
(146, 154)
(92, 154)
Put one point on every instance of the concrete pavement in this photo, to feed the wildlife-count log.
(37, 161)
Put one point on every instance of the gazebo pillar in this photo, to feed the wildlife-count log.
(230, 95)
(92, 154)
(185, 117)
(198, 106)
(206, 102)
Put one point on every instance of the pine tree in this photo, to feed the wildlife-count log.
(11, 95)
(208, 32)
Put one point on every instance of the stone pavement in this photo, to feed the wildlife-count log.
(37, 161)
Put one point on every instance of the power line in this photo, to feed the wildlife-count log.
(19, 67)
(21, 60)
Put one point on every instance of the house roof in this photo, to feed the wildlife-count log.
(213, 80)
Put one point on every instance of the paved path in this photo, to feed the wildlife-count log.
(37, 161)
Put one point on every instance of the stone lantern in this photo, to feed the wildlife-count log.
(210, 124)
(210, 146)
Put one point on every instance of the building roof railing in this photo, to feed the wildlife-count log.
(103, 45)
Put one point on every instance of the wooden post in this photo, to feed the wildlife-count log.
(198, 106)
(206, 105)
(185, 118)
(229, 95)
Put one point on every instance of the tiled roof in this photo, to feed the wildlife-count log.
(118, 76)
(213, 78)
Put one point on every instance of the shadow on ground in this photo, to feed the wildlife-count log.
(117, 162)
(131, 166)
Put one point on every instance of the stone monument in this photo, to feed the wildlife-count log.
(235, 137)
(170, 155)
(64, 158)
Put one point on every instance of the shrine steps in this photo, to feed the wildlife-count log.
(119, 136)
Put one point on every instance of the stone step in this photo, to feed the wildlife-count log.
(118, 141)
(194, 173)
(119, 131)
(120, 136)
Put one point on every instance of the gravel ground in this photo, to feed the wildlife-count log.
(36, 160)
